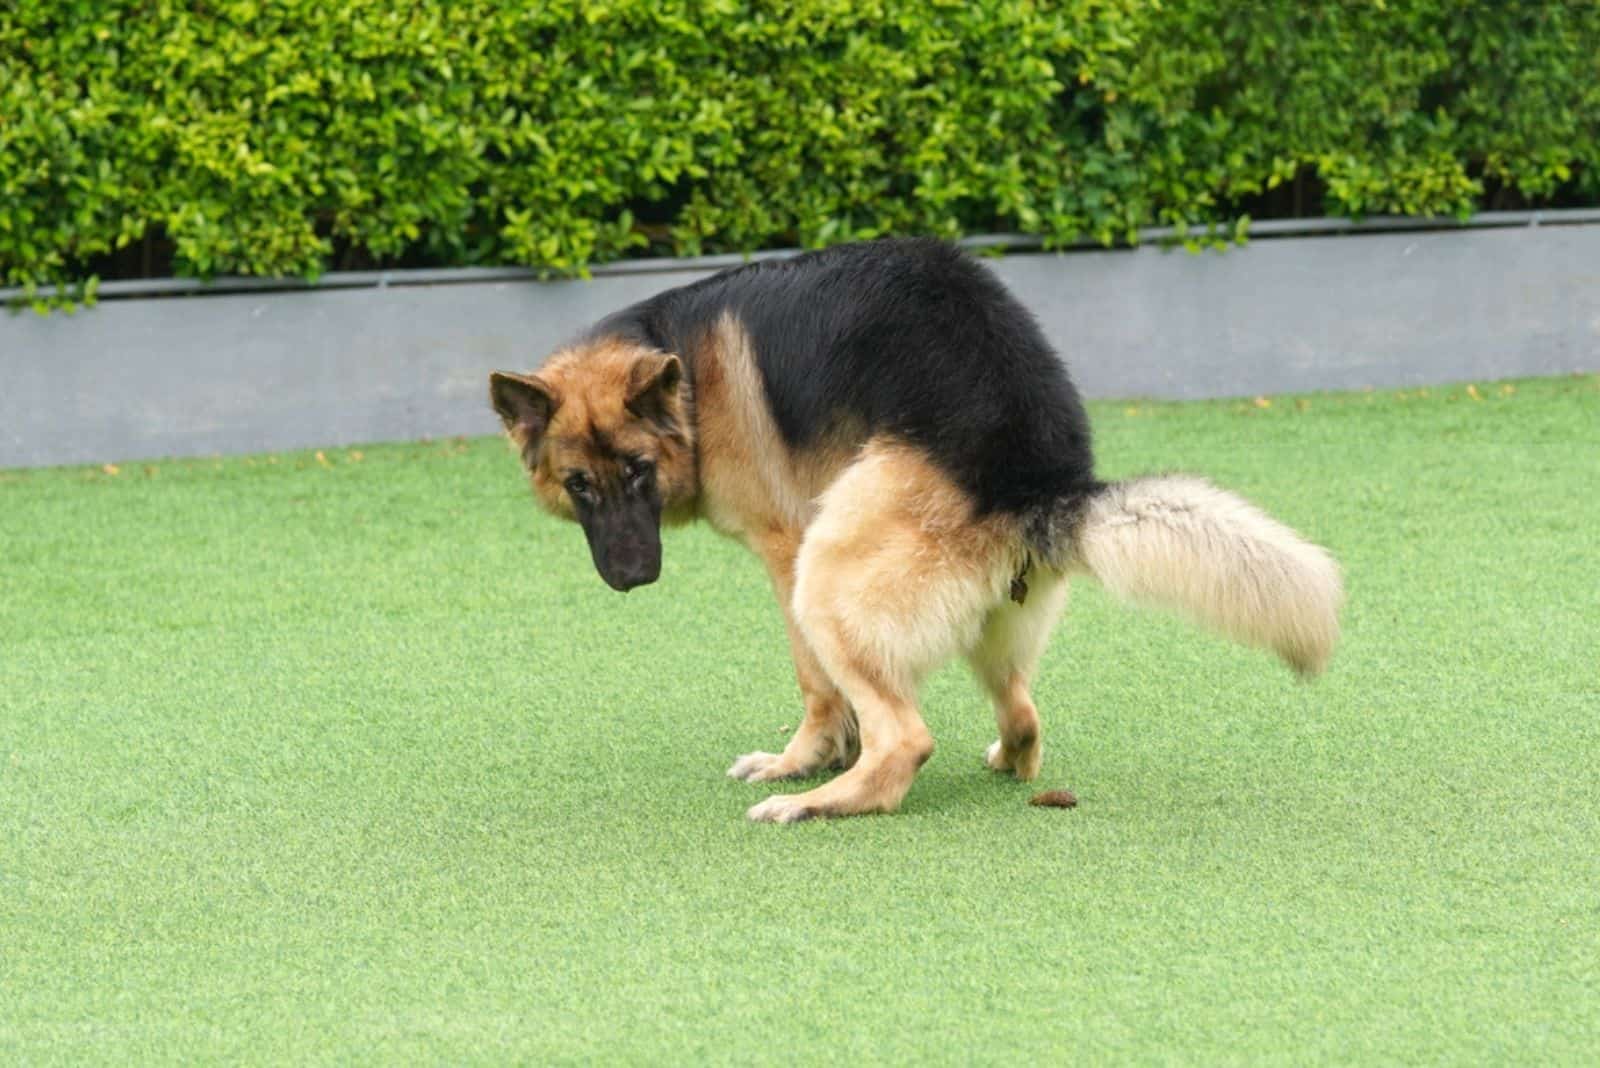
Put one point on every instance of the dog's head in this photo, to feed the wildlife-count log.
(604, 431)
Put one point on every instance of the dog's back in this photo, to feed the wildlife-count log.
(910, 338)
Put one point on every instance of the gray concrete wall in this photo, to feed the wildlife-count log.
(258, 371)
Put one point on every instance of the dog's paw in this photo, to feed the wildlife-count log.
(1024, 766)
(763, 767)
(780, 808)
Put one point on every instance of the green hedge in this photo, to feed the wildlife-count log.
(272, 136)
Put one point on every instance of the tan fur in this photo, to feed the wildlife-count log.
(589, 386)
(1014, 638)
(1180, 542)
(895, 577)
(751, 484)
(753, 488)
(827, 736)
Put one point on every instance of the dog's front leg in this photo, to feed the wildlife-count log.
(827, 735)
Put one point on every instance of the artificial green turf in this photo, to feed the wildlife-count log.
(356, 760)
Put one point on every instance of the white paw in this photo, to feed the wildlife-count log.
(1024, 766)
(780, 808)
(757, 767)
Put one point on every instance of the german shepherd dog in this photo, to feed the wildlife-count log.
(886, 427)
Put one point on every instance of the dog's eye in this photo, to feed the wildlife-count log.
(636, 471)
(578, 485)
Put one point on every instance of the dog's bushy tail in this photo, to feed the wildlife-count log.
(1183, 543)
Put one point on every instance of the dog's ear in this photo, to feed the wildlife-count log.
(525, 405)
(652, 391)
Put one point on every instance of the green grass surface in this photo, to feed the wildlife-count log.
(356, 759)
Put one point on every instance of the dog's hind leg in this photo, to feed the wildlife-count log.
(1014, 637)
(826, 736)
(894, 577)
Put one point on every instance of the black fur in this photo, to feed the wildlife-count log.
(913, 337)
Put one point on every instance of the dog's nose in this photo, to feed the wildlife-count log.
(626, 578)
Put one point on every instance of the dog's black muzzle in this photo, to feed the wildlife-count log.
(625, 540)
